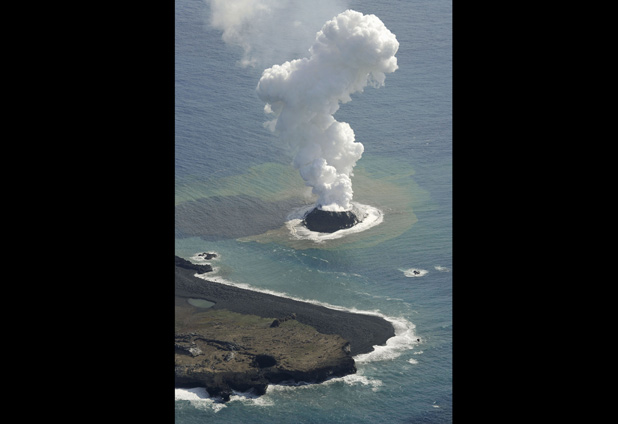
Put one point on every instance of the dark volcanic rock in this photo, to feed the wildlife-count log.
(328, 221)
(265, 361)
(200, 269)
(207, 256)
(362, 331)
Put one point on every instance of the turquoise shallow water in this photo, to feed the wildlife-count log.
(235, 187)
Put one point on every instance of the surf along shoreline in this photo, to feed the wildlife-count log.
(308, 342)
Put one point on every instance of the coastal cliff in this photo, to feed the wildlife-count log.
(244, 340)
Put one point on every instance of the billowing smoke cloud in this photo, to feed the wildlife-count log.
(351, 51)
(271, 31)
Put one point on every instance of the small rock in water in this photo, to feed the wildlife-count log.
(207, 255)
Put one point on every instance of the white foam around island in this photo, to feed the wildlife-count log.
(414, 272)
(368, 216)
(405, 339)
(200, 260)
(351, 380)
(199, 398)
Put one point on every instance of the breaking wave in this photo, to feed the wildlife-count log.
(414, 272)
(199, 398)
(200, 258)
(350, 380)
(404, 339)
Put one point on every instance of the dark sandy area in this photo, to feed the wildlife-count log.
(362, 331)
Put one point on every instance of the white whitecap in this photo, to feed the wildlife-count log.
(199, 398)
(250, 398)
(414, 272)
(405, 339)
(202, 259)
(357, 379)
(196, 393)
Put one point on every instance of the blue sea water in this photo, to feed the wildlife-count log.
(235, 188)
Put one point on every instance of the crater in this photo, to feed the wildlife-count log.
(323, 221)
(264, 361)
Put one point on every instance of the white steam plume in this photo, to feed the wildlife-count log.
(351, 51)
(271, 31)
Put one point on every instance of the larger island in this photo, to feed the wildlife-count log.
(230, 339)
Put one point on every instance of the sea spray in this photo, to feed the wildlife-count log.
(199, 398)
(414, 272)
(351, 51)
(405, 339)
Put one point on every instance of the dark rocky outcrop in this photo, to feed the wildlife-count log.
(225, 352)
(277, 321)
(329, 221)
(185, 264)
(257, 379)
(265, 361)
(207, 256)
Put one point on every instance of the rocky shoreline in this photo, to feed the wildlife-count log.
(248, 339)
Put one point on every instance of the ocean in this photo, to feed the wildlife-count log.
(237, 195)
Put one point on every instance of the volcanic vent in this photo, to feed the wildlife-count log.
(329, 221)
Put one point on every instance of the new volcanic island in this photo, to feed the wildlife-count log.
(329, 221)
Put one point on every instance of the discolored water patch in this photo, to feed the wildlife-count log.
(223, 217)
(200, 303)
